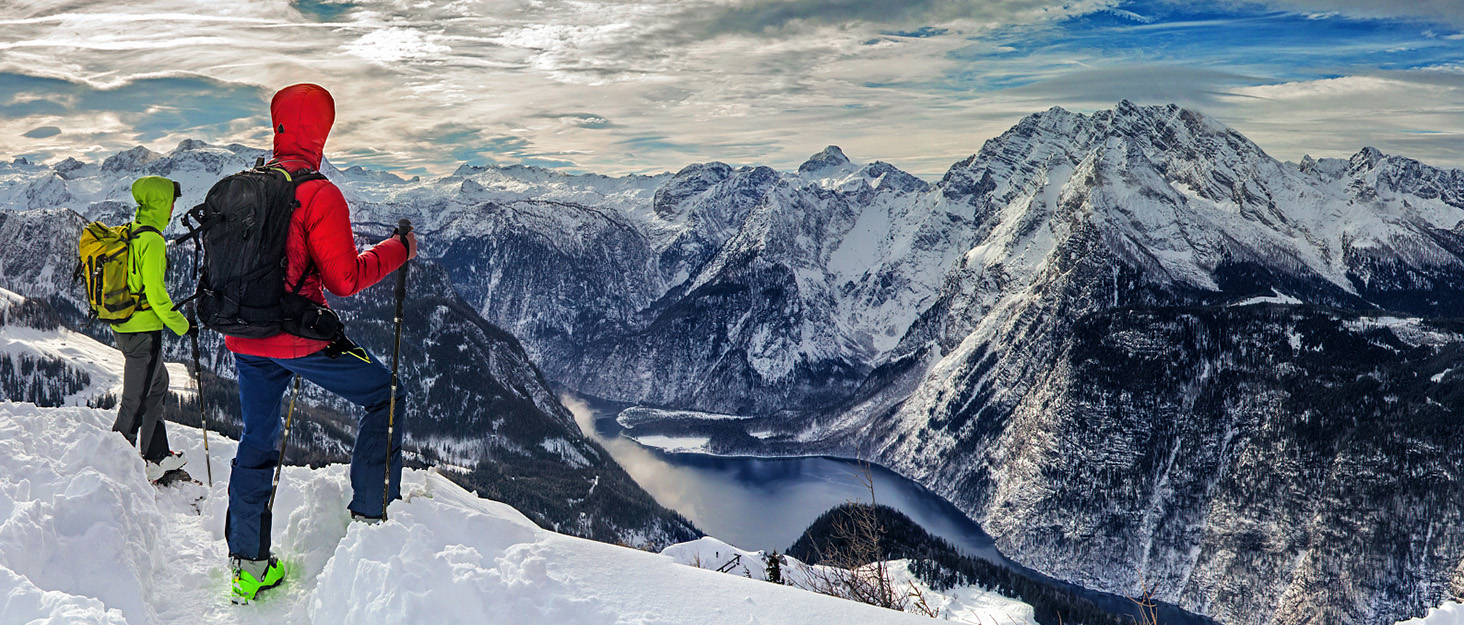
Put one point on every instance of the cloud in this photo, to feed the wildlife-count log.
(1102, 87)
(1337, 116)
(176, 103)
(643, 86)
(394, 45)
(1444, 11)
(769, 16)
(43, 132)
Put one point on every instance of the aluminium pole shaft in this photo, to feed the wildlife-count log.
(403, 228)
(284, 440)
(198, 373)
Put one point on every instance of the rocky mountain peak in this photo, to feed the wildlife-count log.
(692, 180)
(893, 178)
(1366, 158)
(68, 165)
(466, 170)
(189, 145)
(131, 160)
(831, 156)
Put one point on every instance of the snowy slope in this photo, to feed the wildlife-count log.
(85, 539)
(1450, 613)
(102, 362)
(964, 604)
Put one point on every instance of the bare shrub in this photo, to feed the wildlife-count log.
(853, 565)
(1148, 606)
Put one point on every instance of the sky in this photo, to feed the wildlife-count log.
(647, 86)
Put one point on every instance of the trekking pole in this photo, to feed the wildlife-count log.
(198, 375)
(284, 440)
(403, 228)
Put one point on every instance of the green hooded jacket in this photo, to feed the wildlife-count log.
(149, 255)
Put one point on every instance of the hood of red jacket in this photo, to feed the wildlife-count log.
(302, 116)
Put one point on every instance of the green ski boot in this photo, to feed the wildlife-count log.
(252, 576)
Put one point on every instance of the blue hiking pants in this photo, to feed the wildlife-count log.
(262, 384)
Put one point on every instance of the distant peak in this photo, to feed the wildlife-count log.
(831, 156)
(1368, 156)
(68, 165)
(130, 159)
(187, 145)
(466, 169)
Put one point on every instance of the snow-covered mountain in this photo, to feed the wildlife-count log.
(475, 399)
(85, 539)
(1131, 344)
(1169, 357)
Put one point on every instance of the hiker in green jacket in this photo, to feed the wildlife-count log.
(144, 378)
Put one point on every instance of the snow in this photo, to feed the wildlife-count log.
(1439, 377)
(84, 538)
(1276, 297)
(967, 604)
(566, 450)
(675, 444)
(962, 604)
(23, 602)
(1413, 331)
(1450, 613)
(639, 415)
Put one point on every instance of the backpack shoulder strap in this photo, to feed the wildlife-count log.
(303, 177)
(298, 178)
(309, 267)
(133, 232)
(133, 260)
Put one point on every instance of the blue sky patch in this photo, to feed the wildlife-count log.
(323, 11)
(1272, 46)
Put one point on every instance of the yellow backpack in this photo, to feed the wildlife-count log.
(105, 259)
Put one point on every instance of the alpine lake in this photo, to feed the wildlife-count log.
(759, 503)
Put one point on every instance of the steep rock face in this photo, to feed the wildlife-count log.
(728, 291)
(1089, 386)
(42, 267)
(560, 272)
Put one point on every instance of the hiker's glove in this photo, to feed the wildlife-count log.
(410, 241)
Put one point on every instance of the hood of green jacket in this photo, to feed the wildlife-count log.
(154, 195)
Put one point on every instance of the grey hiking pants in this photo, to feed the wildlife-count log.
(144, 384)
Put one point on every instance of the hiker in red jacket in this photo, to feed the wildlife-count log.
(321, 248)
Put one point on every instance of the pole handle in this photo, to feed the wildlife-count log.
(404, 227)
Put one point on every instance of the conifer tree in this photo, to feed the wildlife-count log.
(774, 567)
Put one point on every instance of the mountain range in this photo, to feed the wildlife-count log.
(1131, 344)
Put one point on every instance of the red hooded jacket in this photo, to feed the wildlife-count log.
(320, 230)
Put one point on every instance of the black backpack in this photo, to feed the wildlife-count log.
(242, 226)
